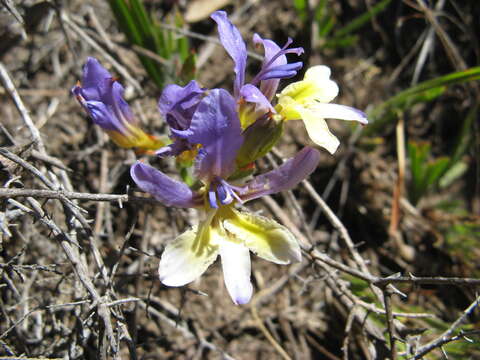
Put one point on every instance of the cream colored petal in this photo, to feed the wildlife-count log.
(318, 131)
(265, 237)
(187, 257)
(336, 111)
(236, 271)
(318, 73)
(325, 89)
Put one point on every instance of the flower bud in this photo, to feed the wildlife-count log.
(259, 138)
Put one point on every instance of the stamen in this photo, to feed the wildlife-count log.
(266, 67)
(225, 194)
(212, 198)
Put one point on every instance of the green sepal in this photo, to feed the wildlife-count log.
(259, 138)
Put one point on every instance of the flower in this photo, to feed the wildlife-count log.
(309, 100)
(102, 97)
(253, 101)
(215, 128)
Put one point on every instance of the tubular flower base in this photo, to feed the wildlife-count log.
(102, 98)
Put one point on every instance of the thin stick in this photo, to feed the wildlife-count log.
(72, 195)
(447, 335)
(12, 91)
(348, 329)
(437, 280)
(79, 268)
(390, 326)
(375, 280)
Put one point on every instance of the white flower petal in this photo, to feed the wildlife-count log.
(236, 271)
(325, 89)
(187, 257)
(336, 111)
(318, 131)
(318, 72)
(265, 237)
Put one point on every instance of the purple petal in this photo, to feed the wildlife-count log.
(173, 149)
(284, 177)
(163, 188)
(252, 94)
(102, 97)
(177, 104)
(216, 126)
(233, 43)
(102, 115)
(226, 192)
(212, 198)
(114, 98)
(93, 81)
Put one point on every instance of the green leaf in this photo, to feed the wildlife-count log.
(341, 42)
(122, 13)
(435, 170)
(301, 7)
(142, 31)
(136, 25)
(454, 172)
(425, 91)
(361, 20)
(326, 26)
(465, 137)
(417, 154)
(142, 21)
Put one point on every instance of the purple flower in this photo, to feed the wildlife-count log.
(215, 127)
(274, 68)
(226, 231)
(177, 105)
(102, 97)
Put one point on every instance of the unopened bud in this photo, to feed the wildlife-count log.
(259, 138)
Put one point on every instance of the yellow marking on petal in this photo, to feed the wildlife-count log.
(246, 113)
(287, 107)
(316, 86)
(120, 139)
(265, 237)
(204, 235)
(182, 263)
(300, 91)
